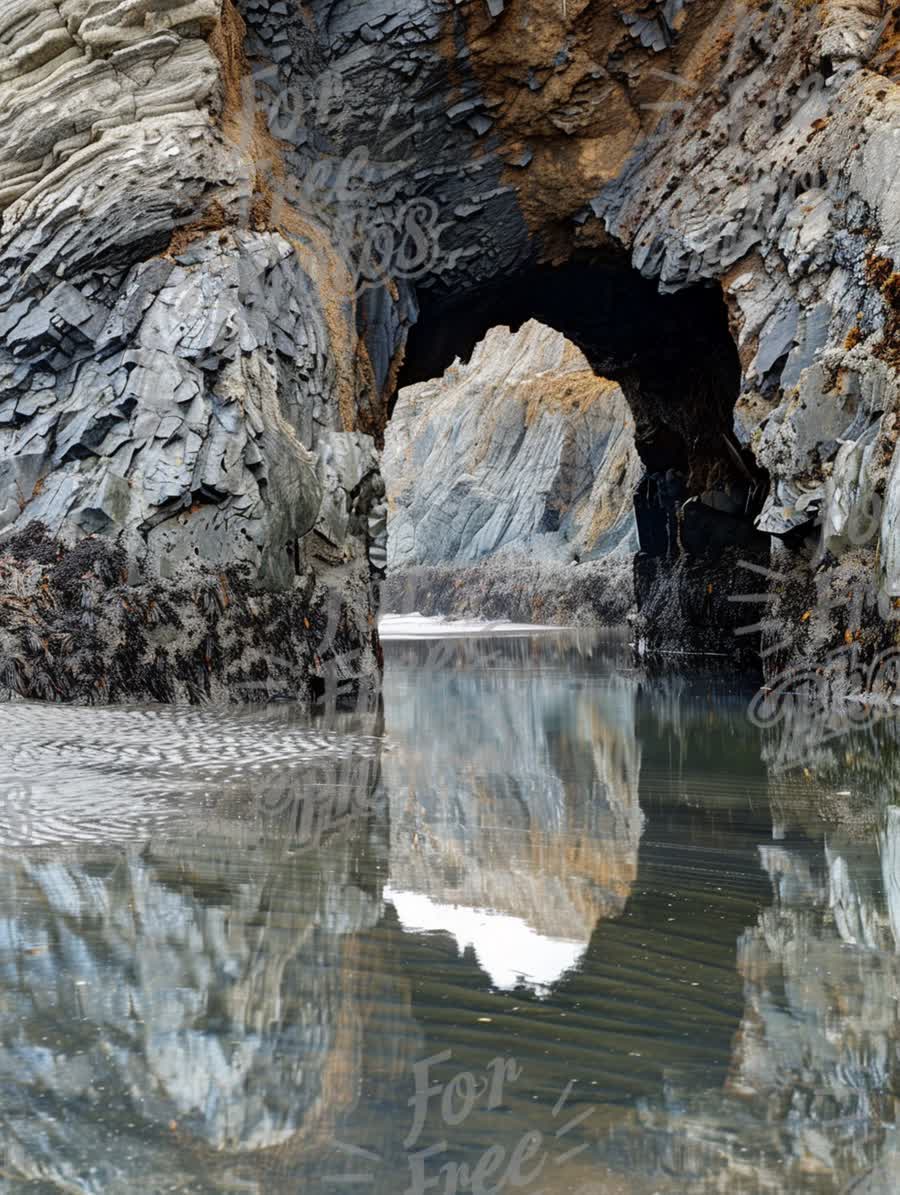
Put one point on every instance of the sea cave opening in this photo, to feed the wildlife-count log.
(669, 360)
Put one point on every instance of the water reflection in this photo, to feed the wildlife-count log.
(515, 818)
(157, 1011)
(111, 774)
(226, 940)
(809, 1102)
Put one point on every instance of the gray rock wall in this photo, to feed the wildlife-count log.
(521, 450)
(516, 466)
(220, 224)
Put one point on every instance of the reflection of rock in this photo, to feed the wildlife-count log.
(195, 1011)
(199, 979)
(809, 1105)
(529, 824)
(889, 849)
(819, 1043)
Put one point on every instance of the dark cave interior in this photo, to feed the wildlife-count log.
(676, 361)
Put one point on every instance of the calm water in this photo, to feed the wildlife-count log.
(613, 945)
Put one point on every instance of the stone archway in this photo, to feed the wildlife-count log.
(203, 324)
(675, 359)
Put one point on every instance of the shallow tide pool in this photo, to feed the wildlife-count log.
(544, 924)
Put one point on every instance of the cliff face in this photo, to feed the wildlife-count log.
(521, 450)
(229, 230)
(521, 453)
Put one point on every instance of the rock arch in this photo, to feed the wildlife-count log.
(678, 366)
(228, 215)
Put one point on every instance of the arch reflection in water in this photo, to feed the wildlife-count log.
(214, 996)
(515, 819)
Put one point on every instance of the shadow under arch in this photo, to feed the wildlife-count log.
(678, 366)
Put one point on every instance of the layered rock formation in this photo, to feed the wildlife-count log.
(230, 229)
(520, 460)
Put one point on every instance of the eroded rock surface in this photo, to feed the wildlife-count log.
(229, 230)
(522, 457)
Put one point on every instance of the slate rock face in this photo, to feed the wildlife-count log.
(521, 454)
(229, 231)
(510, 486)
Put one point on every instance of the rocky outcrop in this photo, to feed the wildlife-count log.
(154, 375)
(521, 450)
(231, 229)
(521, 457)
(543, 593)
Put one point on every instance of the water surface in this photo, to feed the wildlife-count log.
(621, 950)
